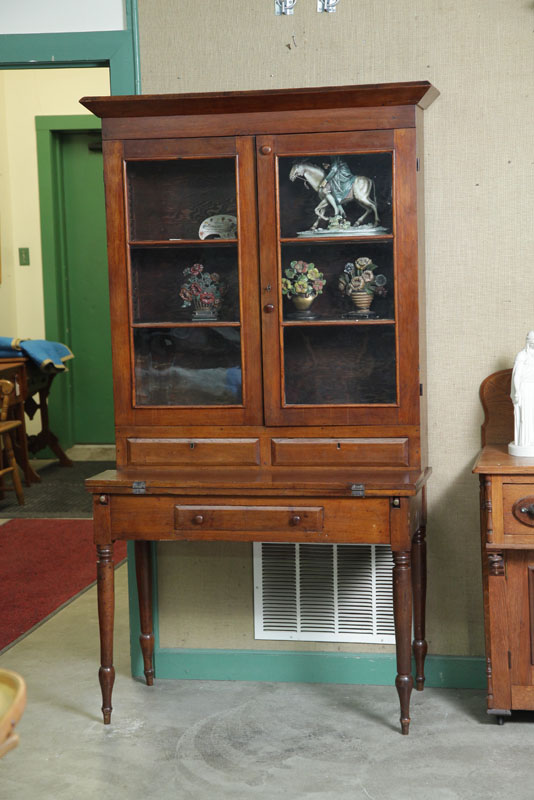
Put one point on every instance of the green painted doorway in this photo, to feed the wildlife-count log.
(75, 275)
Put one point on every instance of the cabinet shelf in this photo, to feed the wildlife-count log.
(319, 322)
(212, 323)
(383, 237)
(182, 242)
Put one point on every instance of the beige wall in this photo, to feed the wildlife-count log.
(25, 94)
(479, 232)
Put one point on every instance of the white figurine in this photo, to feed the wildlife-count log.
(522, 394)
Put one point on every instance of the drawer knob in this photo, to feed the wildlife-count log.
(295, 520)
(198, 520)
(528, 510)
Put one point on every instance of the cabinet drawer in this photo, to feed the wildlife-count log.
(201, 452)
(518, 508)
(249, 518)
(339, 452)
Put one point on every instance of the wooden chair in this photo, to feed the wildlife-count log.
(12, 704)
(8, 463)
(498, 425)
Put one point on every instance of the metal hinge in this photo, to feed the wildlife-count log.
(139, 487)
(357, 490)
(509, 659)
(417, 165)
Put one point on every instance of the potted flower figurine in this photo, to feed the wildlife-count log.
(360, 283)
(301, 284)
(203, 291)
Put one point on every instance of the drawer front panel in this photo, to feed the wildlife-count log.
(157, 517)
(518, 509)
(340, 452)
(248, 518)
(201, 452)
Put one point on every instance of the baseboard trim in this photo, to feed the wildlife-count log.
(311, 667)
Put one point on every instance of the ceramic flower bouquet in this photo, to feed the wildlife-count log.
(302, 284)
(360, 283)
(203, 291)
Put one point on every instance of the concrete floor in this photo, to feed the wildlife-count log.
(199, 739)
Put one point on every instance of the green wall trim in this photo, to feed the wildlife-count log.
(445, 672)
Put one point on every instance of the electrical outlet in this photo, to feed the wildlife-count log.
(24, 256)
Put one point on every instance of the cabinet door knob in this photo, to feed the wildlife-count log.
(265, 150)
(198, 520)
(269, 308)
(295, 520)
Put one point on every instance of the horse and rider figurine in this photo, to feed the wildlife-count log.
(336, 186)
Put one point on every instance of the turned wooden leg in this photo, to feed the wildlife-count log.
(106, 612)
(420, 645)
(10, 458)
(402, 607)
(143, 573)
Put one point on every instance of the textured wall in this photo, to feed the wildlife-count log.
(479, 210)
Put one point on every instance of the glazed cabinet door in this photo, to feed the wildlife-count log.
(338, 256)
(184, 290)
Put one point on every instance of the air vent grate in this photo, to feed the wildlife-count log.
(323, 593)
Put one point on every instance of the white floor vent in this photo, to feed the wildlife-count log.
(323, 593)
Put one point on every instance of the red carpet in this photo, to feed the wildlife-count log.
(43, 564)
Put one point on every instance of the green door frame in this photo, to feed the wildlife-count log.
(48, 131)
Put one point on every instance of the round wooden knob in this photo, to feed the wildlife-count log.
(198, 520)
(265, 150)
(295, 520)
(269, 308)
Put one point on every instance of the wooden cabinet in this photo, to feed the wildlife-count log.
(507, 530)
(266, 274)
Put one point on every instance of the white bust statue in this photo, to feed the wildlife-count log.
(522, 394)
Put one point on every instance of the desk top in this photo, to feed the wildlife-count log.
(312, 481)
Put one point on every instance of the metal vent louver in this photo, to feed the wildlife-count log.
(323, 593)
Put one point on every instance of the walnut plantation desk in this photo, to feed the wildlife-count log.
(240, 414)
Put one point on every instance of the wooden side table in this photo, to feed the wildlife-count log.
(507, 531)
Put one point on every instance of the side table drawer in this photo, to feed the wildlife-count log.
(249, 518)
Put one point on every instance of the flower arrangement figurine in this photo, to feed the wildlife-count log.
(202, 290)
(360, 283)
(301, 284)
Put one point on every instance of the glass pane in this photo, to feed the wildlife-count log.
(355, 201)
(343, 280)
(175, 284)
(327, 365)
(172, 199)
(188, 366)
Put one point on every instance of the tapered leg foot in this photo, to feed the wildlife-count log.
(106, 676)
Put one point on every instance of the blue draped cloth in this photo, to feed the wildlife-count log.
(47, 356)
